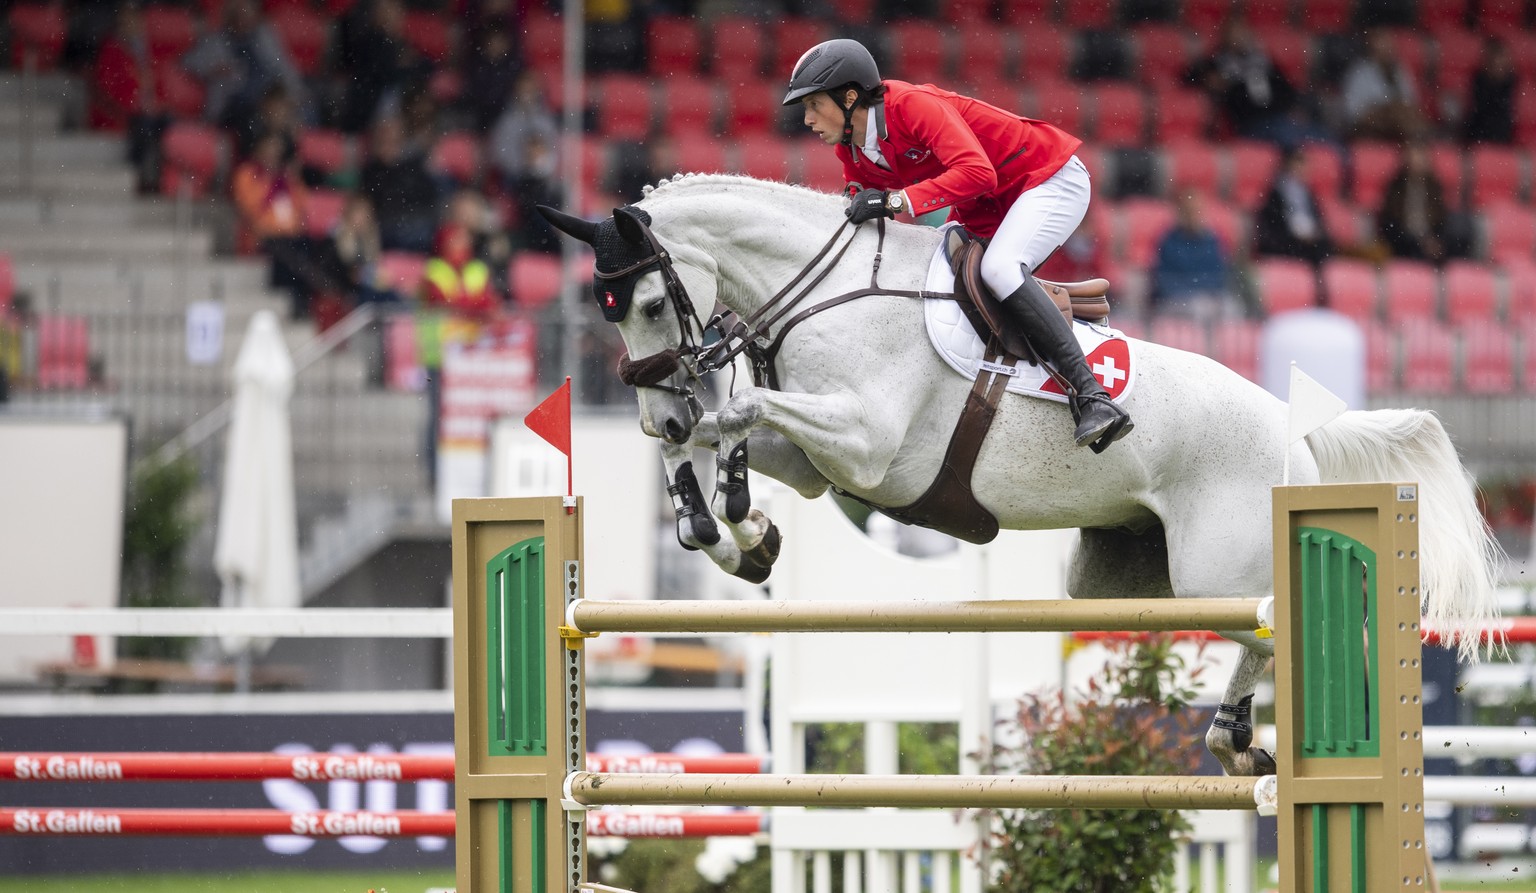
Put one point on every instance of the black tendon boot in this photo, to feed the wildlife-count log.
(1100, 421)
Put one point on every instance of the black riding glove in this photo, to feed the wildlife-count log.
(869, 204)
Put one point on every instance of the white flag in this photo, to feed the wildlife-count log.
(1312, 405)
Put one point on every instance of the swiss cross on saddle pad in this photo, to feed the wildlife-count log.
(1110, 362)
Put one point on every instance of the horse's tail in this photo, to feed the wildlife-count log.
(1460, 559)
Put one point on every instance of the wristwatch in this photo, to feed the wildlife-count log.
(896, 202)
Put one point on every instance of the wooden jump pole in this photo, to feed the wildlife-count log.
(1348, 699)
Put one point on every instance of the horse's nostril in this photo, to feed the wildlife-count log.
(673, 431)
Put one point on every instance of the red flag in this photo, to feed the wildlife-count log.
(551, 419)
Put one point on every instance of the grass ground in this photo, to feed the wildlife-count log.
(398, 881)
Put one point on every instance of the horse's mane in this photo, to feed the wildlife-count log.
(681, 183)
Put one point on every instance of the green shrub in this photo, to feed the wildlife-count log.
(156, 529)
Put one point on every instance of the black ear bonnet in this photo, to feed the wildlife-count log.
(614, 254)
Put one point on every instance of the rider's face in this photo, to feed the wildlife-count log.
(823, 117)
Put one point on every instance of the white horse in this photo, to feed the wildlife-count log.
(864, 404)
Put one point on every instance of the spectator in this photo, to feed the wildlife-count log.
(379, 60)
(492, 66)
(1289, 223)
(270, 200)
(276, 114)
(123, 94)
(354, 249)
(525, 123)
(1254, 97)
(1413, 221)
(468, 212)
(1191, 277)
(1490, 109)
(403, 193)
(538, 184)
(238, 64)
(1380, 101)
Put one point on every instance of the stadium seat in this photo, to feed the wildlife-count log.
(1428, 357)
(1371, 167)
(764, 157)
(982, 54)
(1059, 102)
(38, 30)
(859, 13)
(1268, 13)
(1439, 15)
(1284, 284)
(1457, 55)
(1120, 114)
(1528, 365)
(1027, 13)
(1045, 51)
(753, 107)
(7, 284)
(1349, 287)
(1205, 16)
(1145, 221)
(1497, 174)
(623, 106)
(1522, 49)
(1520, 305)
(1346, 224)
(429, 34)
(688, 108)
(1525, 118)
(1447, 161)
(1324, 171)
(1162, 54)
(1326, 16)
(535, 279)
(63, 352)
(328, 151)
(703, 156)
(1290, 48)
(1411, 47)
(1235, 344)
(403, 271)
(595, 164)
(1411, 290)
(1510, 231)
(1229, 224)
(673, 47)
(543, 43)
(1181, 114)
(193, 158)
(819, 168)
(1253, 169)
(1471, 292)
(180, 93)
(1190, 166)
(918, 51)
(306, 35)
(791, 38)
(1487, 357)
(402, 363)
(458, 156)
(737, 50)
(323, 211)
(1500, 16)
(966, 12)
(1380, 360)
(169, 30)
(1181, 333)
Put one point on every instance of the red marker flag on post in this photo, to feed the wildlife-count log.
(551, 420)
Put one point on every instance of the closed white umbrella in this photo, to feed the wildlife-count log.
(257, 551)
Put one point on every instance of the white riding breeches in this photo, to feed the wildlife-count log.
(1038, 223)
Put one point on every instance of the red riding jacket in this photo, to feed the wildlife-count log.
(948, 150)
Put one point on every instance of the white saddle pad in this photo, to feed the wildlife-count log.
(1111, 355)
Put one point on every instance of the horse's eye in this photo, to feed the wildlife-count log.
(653, 309)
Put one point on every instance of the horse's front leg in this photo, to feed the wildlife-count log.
(696, 527)
(1230, 737)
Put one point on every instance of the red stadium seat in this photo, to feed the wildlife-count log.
(791, 38)
(1442, 14)
(623, 106)
(701, 156)
(1284, 284)
(1058, 102)
(193, 158)
(1235, 344)
(544, 43)
(1522, 49)
(753, 107)
(1525, 118)
(737, 50)
(1510, 232)
(1458, 52)
(1145, 220)
(1205, 16)
(673, 47)
(1411, 289)
(306, 34)
(323, 211)
(1181, 333)
(63, 352)
(38, 30)
(7, 284)
(1346, 224)
(1471, 292)
(764, 157)
(1268, 14)
(327, 151)
(919, 51)
(1181, 114)
(982, 54)
(1488, 357)
(1498, 16)
(1520, 309)
(1410, 46)
(170, 31)
(1229, 224)
(1291, 50)
(855, 12)
(1120, 114)
(1027, 13)
(458, 156)
(1380, 360)
(1092, 13)
(966, 12)
(402, 270)
(1253, 169)
(429, 34)
(1372, 166)
(1428, 357)
(1497, 175)
(1162, 54)
(1044, 52)
(535, 278)
(1324, 171)
(819, 167)
(688, 108)
(1192, 167)
(180, 93)
(1325, 16)
(1447, 161)
(1349, 287)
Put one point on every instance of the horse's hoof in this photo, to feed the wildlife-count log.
(751, 570)
(757, 562)
(1262, 760)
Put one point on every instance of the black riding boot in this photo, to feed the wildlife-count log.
(1100, 421)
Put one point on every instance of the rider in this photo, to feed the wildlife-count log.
(1012, 179)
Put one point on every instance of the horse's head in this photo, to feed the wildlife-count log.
(640, 286)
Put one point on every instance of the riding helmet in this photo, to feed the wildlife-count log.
(832, 64)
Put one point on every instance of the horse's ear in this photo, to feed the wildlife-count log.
(575, 227)
(631, 225)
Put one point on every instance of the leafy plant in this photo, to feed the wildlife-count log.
(156, 529)
(1133, 719)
